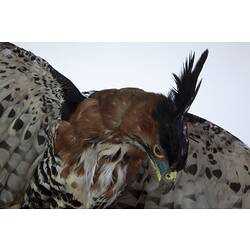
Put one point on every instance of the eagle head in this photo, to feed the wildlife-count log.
(113, 132)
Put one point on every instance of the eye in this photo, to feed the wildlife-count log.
(157, 152)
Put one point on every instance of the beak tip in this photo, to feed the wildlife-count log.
(163, 171)
(158, 175)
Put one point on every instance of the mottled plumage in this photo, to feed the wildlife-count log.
(33, 98)
(108, 149)
(216, 174)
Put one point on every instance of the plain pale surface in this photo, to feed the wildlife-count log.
(224, 94)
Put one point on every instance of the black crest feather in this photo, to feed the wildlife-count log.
(170, 110)
(186, 84)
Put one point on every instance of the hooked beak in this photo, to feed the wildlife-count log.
(162, 169)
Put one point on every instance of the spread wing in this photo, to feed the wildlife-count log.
(34, 97)
(217, 174)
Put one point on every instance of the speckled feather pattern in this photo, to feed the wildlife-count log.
(217, 174)
(30, 101)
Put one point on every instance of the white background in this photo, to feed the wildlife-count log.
(224, 94)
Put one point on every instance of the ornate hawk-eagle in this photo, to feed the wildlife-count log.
(113, 148)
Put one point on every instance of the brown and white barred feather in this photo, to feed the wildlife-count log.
(217, 174)
(99, 176)
(95, 179)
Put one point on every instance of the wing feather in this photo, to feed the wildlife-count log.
(34, 97)
(217, 174)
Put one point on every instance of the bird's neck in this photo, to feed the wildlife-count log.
(95, 180)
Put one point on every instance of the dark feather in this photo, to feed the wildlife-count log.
(170, 110)
(72, 95)
(186, 84)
